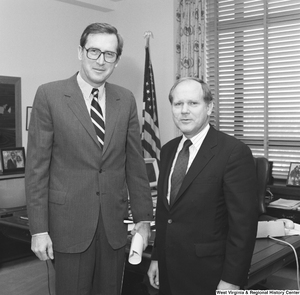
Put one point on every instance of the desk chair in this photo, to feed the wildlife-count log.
(262, 172)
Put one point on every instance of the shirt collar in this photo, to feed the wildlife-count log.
(198, 138)
(86, 88)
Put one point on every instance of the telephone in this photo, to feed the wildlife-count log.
(274, 228)
(288, 224)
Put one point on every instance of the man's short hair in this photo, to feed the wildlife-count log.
(102, 28)
(208, 98)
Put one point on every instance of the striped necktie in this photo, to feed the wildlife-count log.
(179, 170)
(97, 117)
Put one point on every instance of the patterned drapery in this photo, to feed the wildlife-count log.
(190, 35)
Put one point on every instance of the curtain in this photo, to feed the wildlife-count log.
(190, 20)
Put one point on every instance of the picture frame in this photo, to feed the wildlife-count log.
(10, 112)
(293, 178)
(13, 160)
(28, 115)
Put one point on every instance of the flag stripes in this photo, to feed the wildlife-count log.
(150, 128)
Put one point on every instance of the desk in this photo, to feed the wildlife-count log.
(16, 228)
(293, 215)
(268, 257)
(284, 192)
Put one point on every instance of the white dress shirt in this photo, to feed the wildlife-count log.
(197, 141)
(86, 90)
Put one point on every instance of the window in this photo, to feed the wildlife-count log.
(253, 69)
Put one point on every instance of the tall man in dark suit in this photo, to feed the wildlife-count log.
(205, 237)
(77, 188)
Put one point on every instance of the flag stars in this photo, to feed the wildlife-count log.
(150, 131)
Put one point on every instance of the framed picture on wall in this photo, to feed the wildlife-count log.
(10, 112)
(13, 160)
(28, 115)
(294, 175)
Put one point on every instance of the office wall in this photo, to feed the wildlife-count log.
(39, 41)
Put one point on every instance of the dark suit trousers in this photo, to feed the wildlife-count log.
(97, 271)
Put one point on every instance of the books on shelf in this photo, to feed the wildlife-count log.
(285, 204)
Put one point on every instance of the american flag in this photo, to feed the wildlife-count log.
(150, 130)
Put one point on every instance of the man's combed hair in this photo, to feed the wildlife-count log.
(102, 28)
(208, 98)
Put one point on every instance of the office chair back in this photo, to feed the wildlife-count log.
(262, 173)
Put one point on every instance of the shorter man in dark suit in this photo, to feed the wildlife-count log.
(205, 232)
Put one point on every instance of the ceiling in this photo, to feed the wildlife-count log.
(100, 5)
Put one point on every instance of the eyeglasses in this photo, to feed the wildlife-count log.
(94, 54)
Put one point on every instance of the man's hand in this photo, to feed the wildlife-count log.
(153, 274)
(143, 228)
(227, 286)
(41, 245)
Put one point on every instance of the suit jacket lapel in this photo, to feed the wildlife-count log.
(167, 167)
(77, 104)
(112, 114)
(204, 155)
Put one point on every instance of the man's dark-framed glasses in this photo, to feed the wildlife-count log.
(94, 53)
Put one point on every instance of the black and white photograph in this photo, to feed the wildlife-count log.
(294, 175)
(13, 160)
(28, 115)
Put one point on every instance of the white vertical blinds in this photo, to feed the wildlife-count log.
(253, 69)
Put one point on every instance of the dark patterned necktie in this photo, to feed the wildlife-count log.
(179, 170)
(97, 117)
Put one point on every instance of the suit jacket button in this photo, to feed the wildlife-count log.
(170, 221)
(97, 193)
(100, 171)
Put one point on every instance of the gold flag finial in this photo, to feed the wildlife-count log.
(147, 35)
